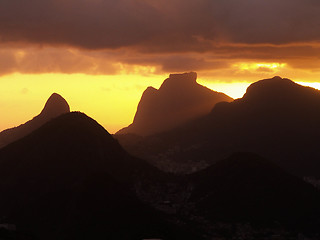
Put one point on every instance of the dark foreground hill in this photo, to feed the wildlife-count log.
(246, 187)
(54, 107)
(179, 100)
(247, 190)
(276, 118)
(71, 180)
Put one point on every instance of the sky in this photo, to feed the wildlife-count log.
(100, 55)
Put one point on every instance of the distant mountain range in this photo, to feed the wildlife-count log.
(179, 100)
(276, 118)
(68, 178)
(54, 107)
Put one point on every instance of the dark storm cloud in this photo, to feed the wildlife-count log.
(84, 23)
(151, 25)
(102, 36)
(273, 21)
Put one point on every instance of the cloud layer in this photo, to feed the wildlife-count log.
(99, 36)
(175, 25)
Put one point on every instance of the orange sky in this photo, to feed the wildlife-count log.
(111, 100)
(100, 55)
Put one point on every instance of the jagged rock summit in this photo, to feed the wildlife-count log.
(55, 106)
(179, 100)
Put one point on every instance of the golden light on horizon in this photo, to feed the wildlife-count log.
(102, 63)
(238, 89)
(260, 66)
(315, 85)
(110, 99)
(232, 89)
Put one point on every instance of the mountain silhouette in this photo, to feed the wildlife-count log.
(179, 100)
(54, 107)
(70, 179)
(246, 188)
(276, 118)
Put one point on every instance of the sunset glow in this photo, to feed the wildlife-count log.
(159, 119)
(110, 99)
(260, 66)
(102, 55)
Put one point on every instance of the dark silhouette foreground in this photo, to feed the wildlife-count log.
(54, 107)
(71, 180)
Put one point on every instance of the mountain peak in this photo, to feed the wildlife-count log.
(179, 100)
(277, 78)
(180, 80)
(276, 81)
(55, 106)
(190, 76)
(272, 87)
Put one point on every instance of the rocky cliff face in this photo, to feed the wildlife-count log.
(179, 100)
